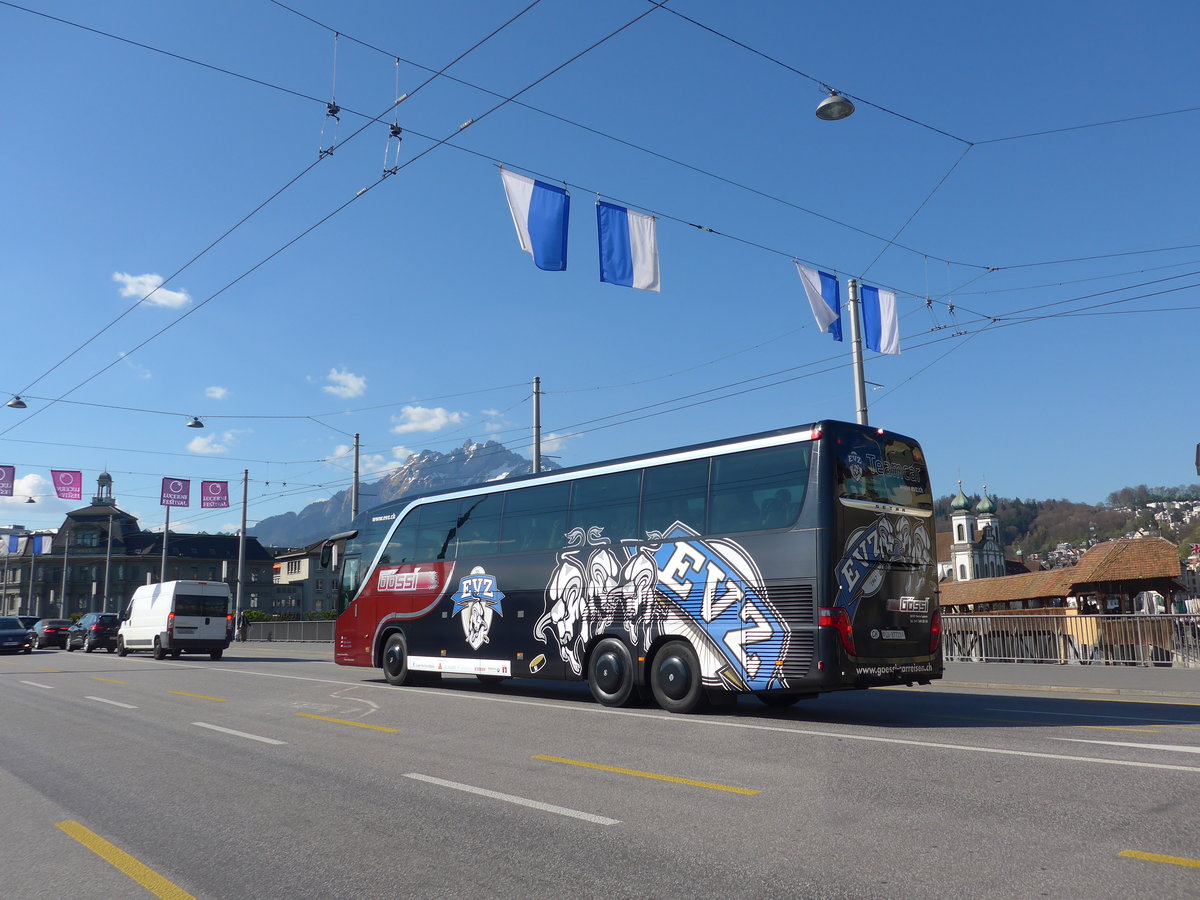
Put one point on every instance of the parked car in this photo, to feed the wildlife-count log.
(50, 633)
(14, 637)
(29, 621)
(93, 631)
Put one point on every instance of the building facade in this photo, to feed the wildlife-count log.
(100, 555)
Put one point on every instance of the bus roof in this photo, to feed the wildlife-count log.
(390, 507)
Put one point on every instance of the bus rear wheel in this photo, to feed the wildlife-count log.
(395, 659)
(675, 677)
(610, 673)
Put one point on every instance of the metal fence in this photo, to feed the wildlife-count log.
(1137, 640)
(319, 630)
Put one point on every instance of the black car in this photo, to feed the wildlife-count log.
(14, 637)
(50, 633)
(28, 622)
(93, 631)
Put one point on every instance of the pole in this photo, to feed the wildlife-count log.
(537, 425)
(354, 487)
(6, 585)
(241, 549)
(860, 384)
(32, 559)
(66, 548)
(107, 566)
(166, 532)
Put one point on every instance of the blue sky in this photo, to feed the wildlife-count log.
(411, 316)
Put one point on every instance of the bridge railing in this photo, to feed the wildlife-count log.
(1124, 640)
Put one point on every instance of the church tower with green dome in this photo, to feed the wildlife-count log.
(975, 551)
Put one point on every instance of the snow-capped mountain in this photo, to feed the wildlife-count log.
(429, 470)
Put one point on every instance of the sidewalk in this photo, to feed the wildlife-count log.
(1123, 681)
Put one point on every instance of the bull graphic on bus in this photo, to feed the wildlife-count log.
(869, 551)
(672, 583)
(478, 599)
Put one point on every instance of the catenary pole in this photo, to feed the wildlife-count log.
(860, 384)
(537, 425)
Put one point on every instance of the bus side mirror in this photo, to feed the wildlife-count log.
(329, 555)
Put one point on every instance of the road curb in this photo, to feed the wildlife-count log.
(1065, 689)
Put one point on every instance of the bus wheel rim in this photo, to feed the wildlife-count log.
(674, 677)
(609, 672)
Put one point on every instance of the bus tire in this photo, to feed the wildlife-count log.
(610, 673)
(160, 651)
(395, 659)
(675, 677)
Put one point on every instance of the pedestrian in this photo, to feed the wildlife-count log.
(243, 627)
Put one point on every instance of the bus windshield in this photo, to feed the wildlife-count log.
(880, 469)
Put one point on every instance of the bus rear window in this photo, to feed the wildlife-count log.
(199, 605)
(883, 470)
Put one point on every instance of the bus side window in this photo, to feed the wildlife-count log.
(758, 489)
(437, 529)
(401, 547)
(534, 518)
(479, 526)
(675, 493)
(608, 502)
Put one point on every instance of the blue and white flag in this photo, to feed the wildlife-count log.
(628, 247)
(824, 296)
(41, 544)
(540, 212)
(13, 545)
(881, 327)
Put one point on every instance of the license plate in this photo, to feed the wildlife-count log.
(892, 634)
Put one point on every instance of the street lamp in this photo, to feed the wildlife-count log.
(834, 107)
(15, 403)
(195, 423)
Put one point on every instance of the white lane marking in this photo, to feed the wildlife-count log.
(113, 702)
(38, 684)
(688, 721)
(1178, 748)
(242, 734)
(510, 798)
(1036, 712)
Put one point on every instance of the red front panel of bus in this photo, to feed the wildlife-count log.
(401, 592)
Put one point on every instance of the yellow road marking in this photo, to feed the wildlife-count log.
(635, 772)
(124, 863)
(982, 719)
(44, 669)
(1147, 702)
(9, 662)
(1119, 728)
(348, 722)
(109, 680)
(1158, 857)
(202, 697)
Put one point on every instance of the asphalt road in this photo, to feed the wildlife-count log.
(274, 773)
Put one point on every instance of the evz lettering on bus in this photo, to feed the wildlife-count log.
(672, 583)
(478, 599)
(860, 573)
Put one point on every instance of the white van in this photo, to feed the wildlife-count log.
(177, 616)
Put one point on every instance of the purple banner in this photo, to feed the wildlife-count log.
(214, 494)
(8, 474)
(67, 485)
(175, 492)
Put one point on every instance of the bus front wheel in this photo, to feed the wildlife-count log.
(395, 659)
(675, 678)
(610, 673)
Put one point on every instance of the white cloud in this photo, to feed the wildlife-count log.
(421, 418)
(490, 412)
(490, 427)
(216, 393)
(29, 486)
(141, 285)
(212, 443)
(553, 443)
(345, 384)
(368, 463)
(138, 369)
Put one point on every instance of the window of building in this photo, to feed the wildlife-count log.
(293, 567)
(962, 573)
(320, 584)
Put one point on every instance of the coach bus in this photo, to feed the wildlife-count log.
(782, 564)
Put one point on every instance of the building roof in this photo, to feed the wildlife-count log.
(1142, 563)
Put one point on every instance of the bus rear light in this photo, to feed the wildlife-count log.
(935, 630)
(838, 618)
